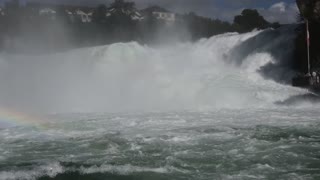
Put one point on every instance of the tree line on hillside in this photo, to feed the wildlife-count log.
(118, 22)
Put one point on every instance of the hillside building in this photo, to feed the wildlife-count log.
(166, 16)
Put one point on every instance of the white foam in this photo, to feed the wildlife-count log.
(131, 77)
(51, 170)
(121, 169)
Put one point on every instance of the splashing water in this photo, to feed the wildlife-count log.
(225, 71)
(203, 110)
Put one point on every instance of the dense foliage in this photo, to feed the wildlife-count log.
(250, 19)
(118, 22)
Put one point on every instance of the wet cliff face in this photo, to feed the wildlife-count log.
(310, 9)
(317, 11)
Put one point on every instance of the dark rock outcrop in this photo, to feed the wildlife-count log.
(309, 10)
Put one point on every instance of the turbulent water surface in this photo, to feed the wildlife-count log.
(220, 108)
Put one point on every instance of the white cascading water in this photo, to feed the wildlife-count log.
(225, 71)
(216, 116)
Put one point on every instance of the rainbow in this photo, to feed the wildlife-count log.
(10, 118)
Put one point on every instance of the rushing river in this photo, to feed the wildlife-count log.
(219, 108)
(222, 144)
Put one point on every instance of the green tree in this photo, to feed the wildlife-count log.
(250, 19)
(121, 4)
(121, 13)
(205, 27)
(100, 14)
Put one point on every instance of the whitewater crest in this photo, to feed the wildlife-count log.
(225, 71)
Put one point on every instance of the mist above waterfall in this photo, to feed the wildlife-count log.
(225, 71)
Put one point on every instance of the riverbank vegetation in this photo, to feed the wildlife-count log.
(43, 27)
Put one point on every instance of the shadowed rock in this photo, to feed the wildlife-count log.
(310, 9)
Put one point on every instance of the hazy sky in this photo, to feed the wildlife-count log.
(273, 10)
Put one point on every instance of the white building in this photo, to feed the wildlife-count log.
(137, 16)
(47, 12)
(70, 15)
(84, 17)
(166, 16)
(133, 13)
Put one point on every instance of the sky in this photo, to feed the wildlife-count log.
(283, 11)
